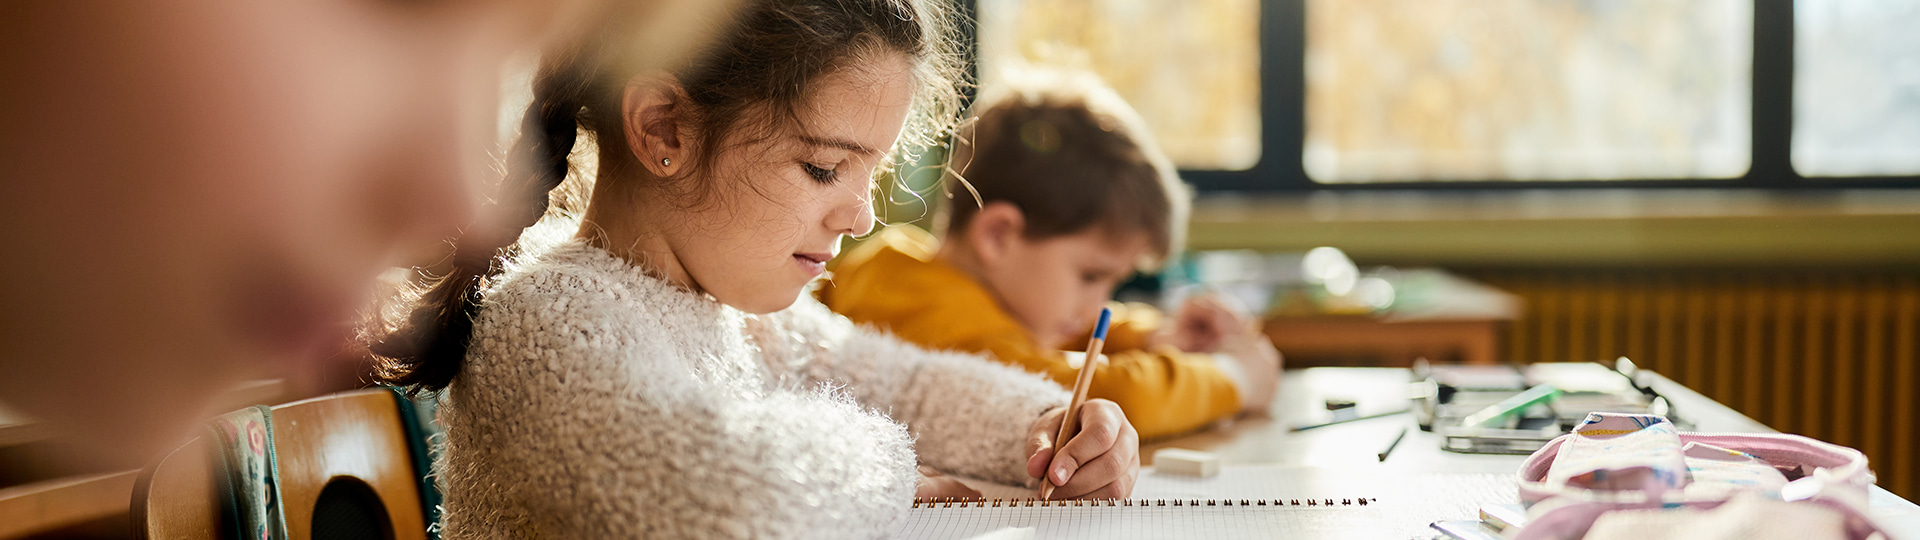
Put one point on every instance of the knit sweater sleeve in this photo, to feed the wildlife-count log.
(577, 418)
(968, 415)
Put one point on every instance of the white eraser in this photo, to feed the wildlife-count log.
(1186, 462)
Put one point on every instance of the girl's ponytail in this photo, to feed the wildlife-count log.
(426, 351)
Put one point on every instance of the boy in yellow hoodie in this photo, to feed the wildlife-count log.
(1058, 194)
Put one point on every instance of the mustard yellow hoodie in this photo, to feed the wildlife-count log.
(893, 282)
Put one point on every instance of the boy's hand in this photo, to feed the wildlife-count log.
(1207, 322)
(1100, 462)
(934, 485)
(1261, 363)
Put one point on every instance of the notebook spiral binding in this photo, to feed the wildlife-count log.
(956, 502)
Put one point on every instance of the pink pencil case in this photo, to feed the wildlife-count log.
(1816, 472)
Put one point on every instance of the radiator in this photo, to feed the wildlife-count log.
(1824, 353)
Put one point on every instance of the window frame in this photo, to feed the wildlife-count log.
(1283, 119)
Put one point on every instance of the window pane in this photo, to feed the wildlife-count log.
(1856, 87)
(1192, 67)
(1408, 90)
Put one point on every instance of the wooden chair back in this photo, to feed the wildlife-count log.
(350, 447)
(345, 471)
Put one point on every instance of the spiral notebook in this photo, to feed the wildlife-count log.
(1242, 502)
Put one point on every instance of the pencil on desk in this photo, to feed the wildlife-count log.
(1391, 445)
(1070, 424)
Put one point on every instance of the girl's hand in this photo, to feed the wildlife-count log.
(934, 485)
(1100, 462)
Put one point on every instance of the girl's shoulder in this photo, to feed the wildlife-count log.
(576, 295)
(593, 317)
(568, 274)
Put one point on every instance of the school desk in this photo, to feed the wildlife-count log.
(1442, 485)
(1436, 315)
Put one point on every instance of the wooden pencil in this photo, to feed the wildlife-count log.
(1071, 424)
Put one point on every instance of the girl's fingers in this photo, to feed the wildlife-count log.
(1111, 476)
(1037, 465)
(1040, 441)
(1102, 460)
(1100, 425)
(1101, 473)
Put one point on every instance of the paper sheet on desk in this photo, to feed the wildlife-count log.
(1401, 506)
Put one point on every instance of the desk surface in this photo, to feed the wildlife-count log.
(1451, 485)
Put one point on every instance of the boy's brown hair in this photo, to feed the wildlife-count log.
(1067, 151)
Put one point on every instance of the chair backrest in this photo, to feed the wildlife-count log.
(346, 469)
(423, 431)
(179, 497)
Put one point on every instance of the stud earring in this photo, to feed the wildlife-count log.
(666, 162)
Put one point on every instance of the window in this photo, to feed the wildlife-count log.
(1413, 90)
(1856, 87)
(1191, 68)
(1284, 95)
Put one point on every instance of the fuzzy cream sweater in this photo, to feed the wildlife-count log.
(599, 402)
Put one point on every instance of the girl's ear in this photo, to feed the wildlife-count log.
(994, 230)
(654, 106)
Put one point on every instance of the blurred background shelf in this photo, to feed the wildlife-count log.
(1574, 227)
